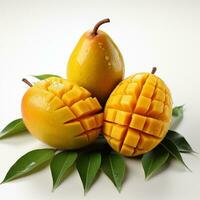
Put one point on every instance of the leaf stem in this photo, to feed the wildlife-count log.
(103, 21)
(27, 82)
(153, 71)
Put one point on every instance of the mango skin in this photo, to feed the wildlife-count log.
(137, 114)
(96, 64)
(61, 114)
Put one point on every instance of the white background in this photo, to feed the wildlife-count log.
(38, 36)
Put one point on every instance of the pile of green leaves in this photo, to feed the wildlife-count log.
(96, 158)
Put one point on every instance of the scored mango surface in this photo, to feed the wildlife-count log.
(137, 114)
(62, 114)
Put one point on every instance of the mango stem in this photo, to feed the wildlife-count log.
(103, 21)
(153, 71)
(27, 82)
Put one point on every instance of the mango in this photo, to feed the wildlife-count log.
(137, 114)
(96, 63)
(61, 113)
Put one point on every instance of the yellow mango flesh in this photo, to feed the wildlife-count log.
(137, 114)
(61, 114)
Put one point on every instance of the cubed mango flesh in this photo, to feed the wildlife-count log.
(137, 114)
(62, 114)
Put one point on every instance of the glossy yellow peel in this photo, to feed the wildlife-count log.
(96, 63)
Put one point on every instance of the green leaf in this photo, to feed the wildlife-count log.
(154, 160)
(178, 111)
(177, 116)
(181, 143)
(173, 150)
(114, 167)
(88, 165)
(15, 127)
(29, 162)
(45, 76)
(60, 164)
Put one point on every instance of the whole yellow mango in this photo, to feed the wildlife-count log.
(61, 114)
(137, 114)
(96, 63)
